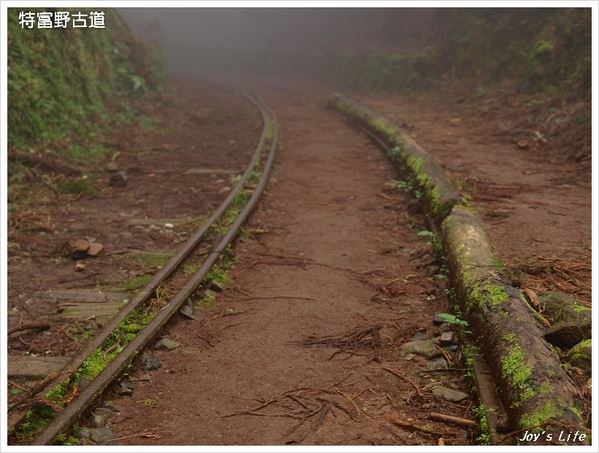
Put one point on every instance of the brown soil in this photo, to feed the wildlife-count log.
(303, 347)
(204, 128)
(525, 163)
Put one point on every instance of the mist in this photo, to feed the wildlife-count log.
(188, 37)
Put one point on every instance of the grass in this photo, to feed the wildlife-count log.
(79, 186)
(135, 282)
(152, 259)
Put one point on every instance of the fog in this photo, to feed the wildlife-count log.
(189, 37)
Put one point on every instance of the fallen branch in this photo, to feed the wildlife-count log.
(38, 325)
(412, 427)
(459, 421)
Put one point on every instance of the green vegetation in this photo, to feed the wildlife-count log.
(67, 87)
(484, 438)
(452, 319)
(546, 49)
(135, 282)
(153, 259)
(486, 295)
(516, 372)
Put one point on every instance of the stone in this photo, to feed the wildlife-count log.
(99, 419)
(188, 309)
(166, 344)
(566, 334)
(447, 338)
(420, 335)
(95, 248)
(580, 355)
(150, 362)
(118, 179)
(125, 388)
(425, 348)
(101, 436)
(449, 394)
(79, 266)
(112, 167)
(559, 306)
(437, 364)
(78, 248)
(216, 286)
(445, 327)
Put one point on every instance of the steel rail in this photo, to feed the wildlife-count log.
(64, 420)
(148, 291)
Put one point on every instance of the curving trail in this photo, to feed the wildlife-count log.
(303, 346)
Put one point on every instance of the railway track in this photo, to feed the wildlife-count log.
(59, 400)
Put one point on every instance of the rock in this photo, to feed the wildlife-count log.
(125, 388)
(216, 286)
(150, 362)
(84, 433)
(94, 249)
(447, 338)
(101, 436)
(188, 309)
(445, 327)
(78, 248)
(451, 348)
(425, 348)
(437, 364)
(166, 344)
(567, 334)
(79, 266)
(112, 167)
(99, 419)
(118, 179)
(420, 335)
(449, 394)
(580, 355)
(109, 405)
(523, 144)
(560, 306)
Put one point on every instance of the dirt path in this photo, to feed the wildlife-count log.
(295, 350)
(515, 161)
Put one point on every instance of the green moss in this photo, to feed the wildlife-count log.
(485, 294)
(152, 260)
(516, 371)
(540, 417)
(580, 308)
(135, 282)
(580, 354)
(35, 420)
(190, 268)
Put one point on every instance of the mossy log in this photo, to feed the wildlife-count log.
(411, 159)
(539, 393)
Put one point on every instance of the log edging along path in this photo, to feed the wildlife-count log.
(535, 390)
